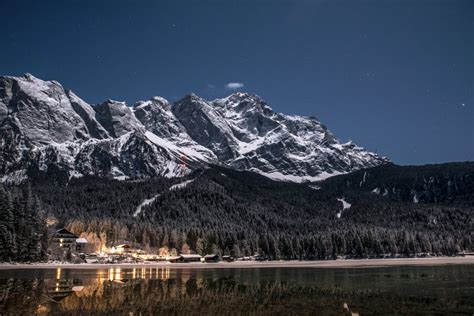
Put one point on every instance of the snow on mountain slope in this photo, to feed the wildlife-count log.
(88, 114)
(117, 118)
(131, 155)
(41, 110)
(43, 125)
(287, 147)
(245, 133)
(184, 153)
(146, 202)
(345, 205)
(157, 117)
(206, 126)
(36, 116)
(181, 185)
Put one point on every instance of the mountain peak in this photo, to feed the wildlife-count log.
(29, 76)
(114, 102)
(145, 106)
(117, 118)
(241, 95)
(191, 97)
(242, 101)
(159, 99)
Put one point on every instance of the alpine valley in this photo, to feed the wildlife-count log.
(228, 176)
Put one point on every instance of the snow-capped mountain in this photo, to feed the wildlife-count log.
(44, 125)
(245, 133)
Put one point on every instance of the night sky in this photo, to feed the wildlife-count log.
(396, 77)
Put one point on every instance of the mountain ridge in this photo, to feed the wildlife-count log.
(43, 123)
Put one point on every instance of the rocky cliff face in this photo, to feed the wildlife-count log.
(42, 124)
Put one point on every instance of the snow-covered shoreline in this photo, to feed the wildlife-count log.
(350, 263)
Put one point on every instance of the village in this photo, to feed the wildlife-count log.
(65, 246)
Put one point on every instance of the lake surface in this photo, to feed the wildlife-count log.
(423, 290)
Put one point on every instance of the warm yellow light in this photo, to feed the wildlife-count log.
(100, 276)
(42, 309)
(58, 273)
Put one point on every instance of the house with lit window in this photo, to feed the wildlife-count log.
(63, 238)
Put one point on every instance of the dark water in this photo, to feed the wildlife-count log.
(268, 291)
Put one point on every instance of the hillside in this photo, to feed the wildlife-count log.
(228, 211)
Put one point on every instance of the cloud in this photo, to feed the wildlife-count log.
(234, 85)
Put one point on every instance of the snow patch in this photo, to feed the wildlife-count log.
(15, 177)
(415, 199)
(278, 176)
(345, 206)
(145, 202)
(118, 174)
(75, 174)
(376, 191)
(181, 185)
(188, 152)
(363, 179)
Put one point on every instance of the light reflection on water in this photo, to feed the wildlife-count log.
(164, 290)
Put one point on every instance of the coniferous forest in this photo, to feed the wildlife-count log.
(23, 231)
(394, 211)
